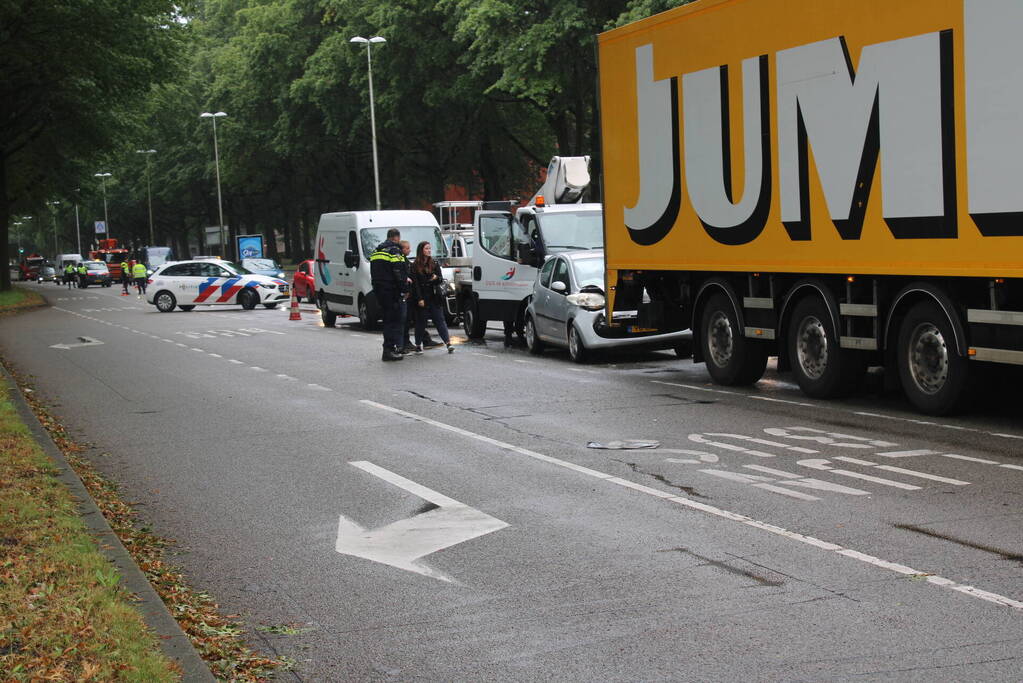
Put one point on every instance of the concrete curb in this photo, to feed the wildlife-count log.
(173, 641)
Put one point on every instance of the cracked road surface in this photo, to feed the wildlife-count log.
(769, 537)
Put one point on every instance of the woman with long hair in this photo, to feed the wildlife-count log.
(428, 296)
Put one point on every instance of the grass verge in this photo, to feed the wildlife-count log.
(17, 299)
(62, 615)
(218, 638)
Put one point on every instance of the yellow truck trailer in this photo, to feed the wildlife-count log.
(836, 183)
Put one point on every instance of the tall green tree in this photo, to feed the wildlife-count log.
(73, 75)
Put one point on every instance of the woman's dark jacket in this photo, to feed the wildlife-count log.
(425, 289)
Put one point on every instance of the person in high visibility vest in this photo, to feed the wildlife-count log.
(138, 272)
(82, 272)
(125, 275)
(69, 275)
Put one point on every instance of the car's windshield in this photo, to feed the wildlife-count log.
(260, 264)
(564, 231)
(371, 237)
(239, 270)
(159, 256)
(95, 265)
(589, 271)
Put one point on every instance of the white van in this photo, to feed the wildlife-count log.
(64, 259)
(344, 243)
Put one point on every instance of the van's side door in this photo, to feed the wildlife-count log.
(350, 275)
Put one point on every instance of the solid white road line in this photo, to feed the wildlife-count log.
(932, 579)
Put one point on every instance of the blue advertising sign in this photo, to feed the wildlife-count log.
(250, 246)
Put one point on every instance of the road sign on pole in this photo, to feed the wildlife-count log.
(101, 227)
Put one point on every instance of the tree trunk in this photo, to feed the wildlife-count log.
(5, 223)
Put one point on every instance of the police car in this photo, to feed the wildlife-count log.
(187, 284)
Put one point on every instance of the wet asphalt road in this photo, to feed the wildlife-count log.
(769, 537)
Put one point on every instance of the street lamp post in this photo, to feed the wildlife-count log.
(368, 42)
(103, 181)
(53, 212)
(216, 158)
(78, 224)
(149, 191)
(17, 235)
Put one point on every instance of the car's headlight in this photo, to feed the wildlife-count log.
(451, 287)
(591, 301)
(280, 273)
(268, 285)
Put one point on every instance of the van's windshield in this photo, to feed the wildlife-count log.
(372, 237)
(564, 231)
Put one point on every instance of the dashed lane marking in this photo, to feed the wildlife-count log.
(932, 579)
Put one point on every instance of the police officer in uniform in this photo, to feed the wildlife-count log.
(389, 272)
(138, 273)
(69, 275)
(125, 276)
(82, 271)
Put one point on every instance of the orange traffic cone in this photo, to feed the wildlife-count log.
(295, 315)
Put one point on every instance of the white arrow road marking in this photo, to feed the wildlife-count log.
(402, 543)
(821, 464)
(82, 341)
(933, 579)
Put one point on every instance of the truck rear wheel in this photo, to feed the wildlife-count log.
(821, 368)
(934, 377)
(474, 327)
(731, 358)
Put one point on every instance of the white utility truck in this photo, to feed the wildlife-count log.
(509, 246)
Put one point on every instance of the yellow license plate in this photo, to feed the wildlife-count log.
(635, 329)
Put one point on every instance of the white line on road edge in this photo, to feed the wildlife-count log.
(718, 512)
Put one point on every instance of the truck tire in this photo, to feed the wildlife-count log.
(474, 326)
(934, 377)
(821, 368)
(731, 358)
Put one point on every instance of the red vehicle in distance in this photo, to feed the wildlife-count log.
(303, 283)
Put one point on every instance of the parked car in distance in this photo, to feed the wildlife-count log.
(47, 273)
(97, 273)
(304, 283)
(567, 310)
(263, 266)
